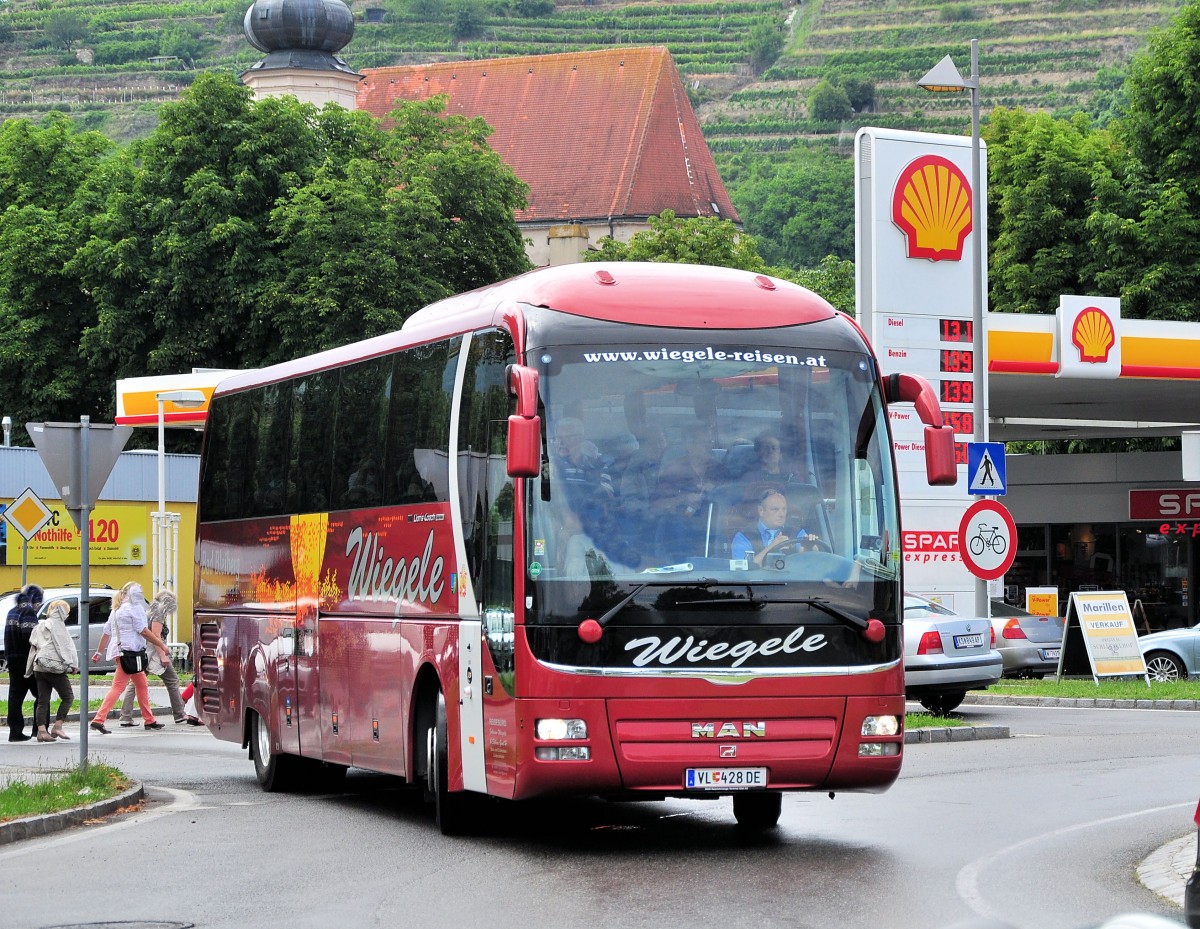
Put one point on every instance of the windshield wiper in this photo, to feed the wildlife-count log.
(590, 630)
(862, 625)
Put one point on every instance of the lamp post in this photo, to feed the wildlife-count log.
(187, 399)
(944, 77)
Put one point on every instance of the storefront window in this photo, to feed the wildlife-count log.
(1155, 573)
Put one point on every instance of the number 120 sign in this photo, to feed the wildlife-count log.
(987, 539)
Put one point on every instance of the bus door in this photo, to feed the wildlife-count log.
(286, 652)
(486, 507)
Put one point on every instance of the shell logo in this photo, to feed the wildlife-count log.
(1093, 335)
(932, 206)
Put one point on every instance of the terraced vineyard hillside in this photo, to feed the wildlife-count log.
(1055, 55)
(112, 62)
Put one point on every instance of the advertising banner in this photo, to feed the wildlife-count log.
(1111, 641)
(118, 536)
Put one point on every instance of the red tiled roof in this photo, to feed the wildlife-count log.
(595, 135)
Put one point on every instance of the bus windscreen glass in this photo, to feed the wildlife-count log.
(736, 463)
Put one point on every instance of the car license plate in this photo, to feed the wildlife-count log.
(1051, 654)
(724, 778)
(968, 641)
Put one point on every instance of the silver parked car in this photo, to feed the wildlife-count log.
(1173, 654)
(99, 607)
(945, 655)
(1030, 644)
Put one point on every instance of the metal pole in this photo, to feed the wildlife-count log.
(160, 516)
(980, 432)
(24, 562)
(85, 648)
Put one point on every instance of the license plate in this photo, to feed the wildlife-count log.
(724, 778)
(968, 641)
(1051, 653)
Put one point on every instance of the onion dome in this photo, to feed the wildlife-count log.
(299, 25)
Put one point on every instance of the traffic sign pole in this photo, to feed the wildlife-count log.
(79, 459)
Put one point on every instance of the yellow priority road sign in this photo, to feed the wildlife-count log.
(28, 514)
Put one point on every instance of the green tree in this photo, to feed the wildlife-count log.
(43, 308)
(65, 28)
(800, 210)
(828, 103)
(1042, 173)
(1146, 225)
(242, 233)
(184, 41)
(832, 278)
(698, 240)
(763, 45)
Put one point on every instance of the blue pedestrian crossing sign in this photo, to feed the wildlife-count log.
(985, 469)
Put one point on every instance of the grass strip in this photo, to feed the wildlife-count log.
(929, 721)
(64, 789)
(1108, 689)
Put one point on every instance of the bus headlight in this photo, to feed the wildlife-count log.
(881, 725)
(556, 730)
(878, 749)
(562, 753)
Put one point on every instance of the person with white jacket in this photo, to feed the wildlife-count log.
(51, 656)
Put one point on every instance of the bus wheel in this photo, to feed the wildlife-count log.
(274, 771)
(450, 811)
(758, 810)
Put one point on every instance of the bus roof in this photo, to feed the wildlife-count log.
(650, 294)
(679, 296)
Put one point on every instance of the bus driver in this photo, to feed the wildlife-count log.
(767, 536)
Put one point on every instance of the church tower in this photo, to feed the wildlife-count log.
(301, 38)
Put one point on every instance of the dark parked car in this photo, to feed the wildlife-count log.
(1030, 644)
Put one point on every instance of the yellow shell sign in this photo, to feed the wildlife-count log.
(1093, 335)
(932, 206)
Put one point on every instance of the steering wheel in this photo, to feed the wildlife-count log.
(813, 543)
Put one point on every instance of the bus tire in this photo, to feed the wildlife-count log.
(275, 772)
(758, 810)
(450, 809)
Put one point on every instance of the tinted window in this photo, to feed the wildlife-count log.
(364, 395)
(314, 400)
(418, 432)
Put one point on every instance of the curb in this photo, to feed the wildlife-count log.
(31, 826)
(955, 734)
(1080, 702)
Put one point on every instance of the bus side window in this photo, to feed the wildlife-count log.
(417, 459)
(314, 400)
(364, 397)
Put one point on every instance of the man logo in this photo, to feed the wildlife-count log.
(729, 730)
(932, 206)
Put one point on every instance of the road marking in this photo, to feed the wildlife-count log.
(967, 882)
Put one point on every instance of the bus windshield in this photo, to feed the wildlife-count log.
(761, 462)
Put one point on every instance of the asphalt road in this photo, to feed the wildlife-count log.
(1041, 830)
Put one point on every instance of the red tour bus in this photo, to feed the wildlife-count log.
(523, 547)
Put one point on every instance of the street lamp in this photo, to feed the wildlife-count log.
(944, 77)
(181, 398)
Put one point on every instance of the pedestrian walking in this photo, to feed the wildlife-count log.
(126, 635)
(157, 611)
(18, 627)
(52, 655)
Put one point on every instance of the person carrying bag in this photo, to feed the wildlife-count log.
(52, 656)
(157, 611)
(126, 634)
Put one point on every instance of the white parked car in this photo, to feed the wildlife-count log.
(945, 655)
(99, 606)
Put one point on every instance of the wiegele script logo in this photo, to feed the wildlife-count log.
(1094, 335)
(932, 206)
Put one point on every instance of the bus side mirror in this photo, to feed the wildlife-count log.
(524, 446)
(940, 468)
(525, 426)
